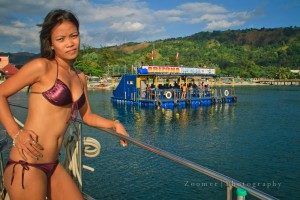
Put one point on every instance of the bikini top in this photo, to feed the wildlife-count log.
(60, 94)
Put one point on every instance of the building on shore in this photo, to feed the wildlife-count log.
(7, 69)
(295, 71)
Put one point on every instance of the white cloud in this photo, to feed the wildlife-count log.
(127, 26)
(18, 24)
(243, 15)
(226, 21)
(22, 36)
(222, 24)
(201, 8)
(172, 15)
(85, 38)
(208, 18)
(112, 12)
(214, 17)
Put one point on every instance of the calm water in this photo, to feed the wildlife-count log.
(255, 141)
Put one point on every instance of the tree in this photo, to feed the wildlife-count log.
(89, 64)
(284, 73)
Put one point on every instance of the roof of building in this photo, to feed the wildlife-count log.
(9, 70)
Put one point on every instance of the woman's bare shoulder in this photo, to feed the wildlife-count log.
(41, 65)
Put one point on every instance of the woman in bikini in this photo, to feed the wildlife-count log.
(57, 92)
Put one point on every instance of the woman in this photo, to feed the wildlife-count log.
(57, 92)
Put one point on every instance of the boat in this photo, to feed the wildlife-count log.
(169, 87)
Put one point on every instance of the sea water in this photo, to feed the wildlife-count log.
(255, 141)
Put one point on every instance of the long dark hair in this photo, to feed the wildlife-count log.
(53, 18)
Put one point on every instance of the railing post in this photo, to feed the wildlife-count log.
(1, 176)
(229, 192)
(3, 146)
(80, 151)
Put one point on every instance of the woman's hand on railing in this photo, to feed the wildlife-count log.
(120, 129)
(26, 141)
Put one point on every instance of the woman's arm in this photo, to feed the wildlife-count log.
(27, 75)
(95, 120)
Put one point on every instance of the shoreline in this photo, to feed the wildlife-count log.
(242, 84)
(111, 87)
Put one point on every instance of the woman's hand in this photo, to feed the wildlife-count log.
(120, 129)
(26, 141)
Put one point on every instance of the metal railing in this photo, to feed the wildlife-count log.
(230, 182)
(161, 94)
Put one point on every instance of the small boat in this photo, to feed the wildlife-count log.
(170, 87)
(96, 83)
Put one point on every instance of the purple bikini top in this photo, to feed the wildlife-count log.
(60, 94)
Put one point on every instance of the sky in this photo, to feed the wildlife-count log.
(114, 22)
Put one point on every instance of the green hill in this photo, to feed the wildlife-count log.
(244, 53)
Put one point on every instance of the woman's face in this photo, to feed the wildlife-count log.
(65, 41)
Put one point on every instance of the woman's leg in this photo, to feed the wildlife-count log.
(62, 186)
(35, 183)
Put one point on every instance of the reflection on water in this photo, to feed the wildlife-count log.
(157, 118)
(147, 123)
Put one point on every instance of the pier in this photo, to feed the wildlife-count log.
(278, 81)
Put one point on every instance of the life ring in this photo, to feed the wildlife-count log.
(168, 95)
(226, 93)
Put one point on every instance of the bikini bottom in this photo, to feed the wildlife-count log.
(47, 168)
